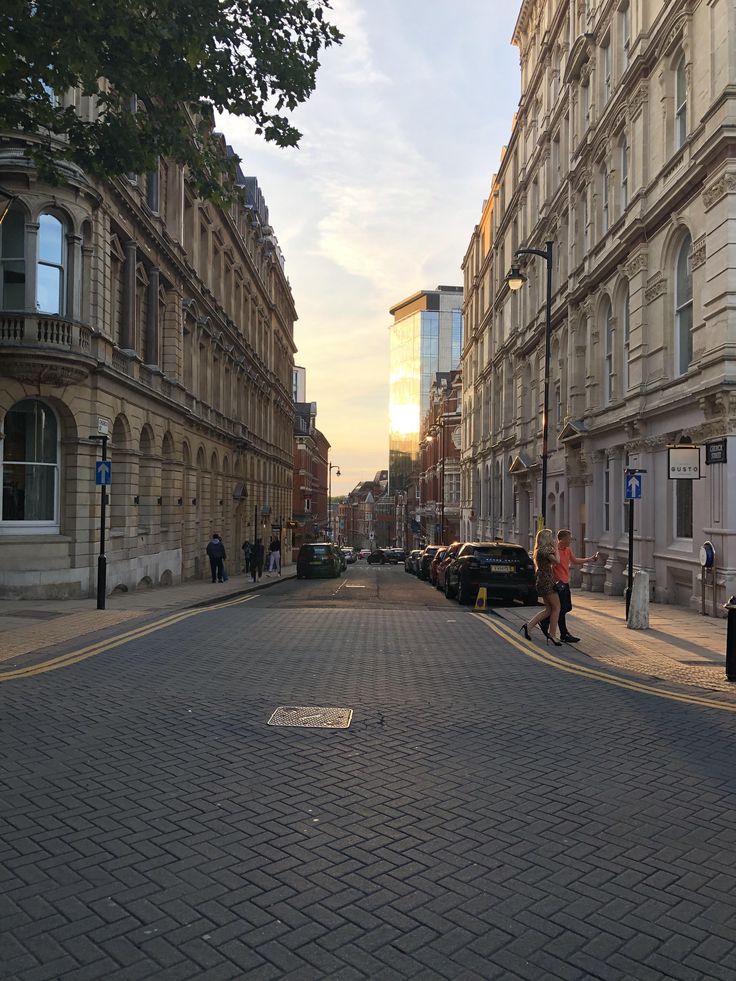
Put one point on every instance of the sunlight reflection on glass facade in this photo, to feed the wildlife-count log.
(426, 337)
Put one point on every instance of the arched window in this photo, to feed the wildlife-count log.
(50, 267)
(609, 380)
(604, 201)
(626, 331)
(30, 466)
(624, 151)
(12, 261)
(684, 306)
(680, 103)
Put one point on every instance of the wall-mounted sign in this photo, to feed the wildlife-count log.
(683, 462)
(715, 452)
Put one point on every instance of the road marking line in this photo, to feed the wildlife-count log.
(74, 657)
(526, 647)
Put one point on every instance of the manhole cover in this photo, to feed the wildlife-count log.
(311, 717)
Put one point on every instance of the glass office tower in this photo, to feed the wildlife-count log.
(426, 337)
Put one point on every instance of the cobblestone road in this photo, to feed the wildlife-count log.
(484, 816)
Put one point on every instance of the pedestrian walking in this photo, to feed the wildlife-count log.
(274, 556)
(545, 557)
(246, 546)
(216, 554)
(256, 560)
(561, 573)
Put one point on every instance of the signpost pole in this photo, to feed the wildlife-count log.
(102, 558)
(630, 585)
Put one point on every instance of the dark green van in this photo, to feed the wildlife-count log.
(317, 559)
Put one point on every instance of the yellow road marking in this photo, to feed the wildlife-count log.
(526, 647)
(74, 657)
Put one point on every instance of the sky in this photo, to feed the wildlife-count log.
(400, 141)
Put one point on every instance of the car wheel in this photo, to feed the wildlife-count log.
(448, 590)
(463, 593)
(531, 600)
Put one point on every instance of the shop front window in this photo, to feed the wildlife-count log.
(30, 465)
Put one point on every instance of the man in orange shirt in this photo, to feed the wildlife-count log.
(561, 572)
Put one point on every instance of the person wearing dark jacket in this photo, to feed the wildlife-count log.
(256, 559)
(216, 553)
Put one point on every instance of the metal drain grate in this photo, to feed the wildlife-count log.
(311, 717)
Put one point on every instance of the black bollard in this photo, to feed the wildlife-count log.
(731, 639)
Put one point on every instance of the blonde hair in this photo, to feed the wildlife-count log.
(545, 538)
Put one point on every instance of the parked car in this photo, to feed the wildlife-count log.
(364, 553)
(349, 554)
(317, 559)
(394, 555)
(341, 558)
(505, 569)
(378, 556)
(410, 562)
(424, 561)
(441, 571)
(436, 559)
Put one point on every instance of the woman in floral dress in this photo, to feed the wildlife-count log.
(545, 557)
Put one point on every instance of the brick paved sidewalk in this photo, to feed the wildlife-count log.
(28, 626)
(681, 646)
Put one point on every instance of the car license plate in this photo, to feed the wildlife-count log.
(504, 569)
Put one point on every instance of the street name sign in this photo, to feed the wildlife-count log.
(103, 473)
(715, 452)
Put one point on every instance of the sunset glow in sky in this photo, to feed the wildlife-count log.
(400, 140)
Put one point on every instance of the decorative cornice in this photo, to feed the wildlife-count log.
(699, 252)
(725, 184)
(636, 264)
(656, 287)
(638, 98)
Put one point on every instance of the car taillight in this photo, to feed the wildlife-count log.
(473, 564)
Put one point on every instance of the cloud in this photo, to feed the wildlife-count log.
(399, 141)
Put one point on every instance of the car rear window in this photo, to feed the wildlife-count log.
(501, 555)
(316, 550)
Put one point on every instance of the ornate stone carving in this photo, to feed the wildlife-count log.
(636, 264)
(638, 98)
(656, 287)
(699, 252)
(725, 184)
(34, 372)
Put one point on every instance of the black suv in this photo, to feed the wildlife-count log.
(503, 568)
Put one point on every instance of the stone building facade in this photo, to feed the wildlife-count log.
(622, 155)
(439, 479)
(169, 320)
(311, 455)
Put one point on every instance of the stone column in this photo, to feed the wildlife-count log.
(152, 325)
(127, 333)
(74, 277)
(31, 258)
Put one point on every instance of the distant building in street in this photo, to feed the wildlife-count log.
(425, 337)
(299, 384)
(622, 155)
(311, 453)
(439, 479)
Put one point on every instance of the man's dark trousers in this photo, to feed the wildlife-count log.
(218, 569)
(563, 591)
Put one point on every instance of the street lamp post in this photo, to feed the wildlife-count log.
(516, 279)
(331, 466)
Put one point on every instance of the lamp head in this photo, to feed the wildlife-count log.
(338, 472)
(515, 278)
